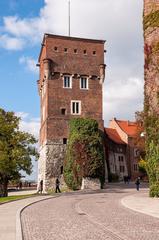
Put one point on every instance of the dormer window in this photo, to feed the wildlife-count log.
(83, 83)
(67, 81)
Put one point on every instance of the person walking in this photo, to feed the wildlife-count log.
(125, 179)
(57, 185)
(41, 186)
(137, 183)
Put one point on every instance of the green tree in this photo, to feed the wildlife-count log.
(16, 150)
(85, 155)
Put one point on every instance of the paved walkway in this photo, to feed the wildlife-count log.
(109, 204)
(22, 192)
(8, 216)
(141, 202)
(93, 215)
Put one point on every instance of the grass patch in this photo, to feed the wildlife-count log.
(14, 198)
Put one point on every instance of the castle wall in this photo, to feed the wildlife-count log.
(151, 38)
(55, 155)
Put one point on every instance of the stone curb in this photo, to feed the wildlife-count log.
(19, 231)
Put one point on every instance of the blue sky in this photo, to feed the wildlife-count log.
(18, 90)
(22, 25)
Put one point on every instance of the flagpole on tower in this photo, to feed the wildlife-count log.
(69, 19)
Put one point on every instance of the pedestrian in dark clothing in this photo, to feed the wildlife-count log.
(20, 185)
(57, 185)
(128, 179)
(41, 186)
(137, 183)
(125, 179)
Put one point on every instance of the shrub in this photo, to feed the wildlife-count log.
(154, 190)
(142, 166)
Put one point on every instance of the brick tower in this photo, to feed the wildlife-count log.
(151, 37)
(72, 73)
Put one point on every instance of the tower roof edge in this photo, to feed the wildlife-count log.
(48, 35)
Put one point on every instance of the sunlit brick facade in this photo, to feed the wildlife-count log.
(72, 73)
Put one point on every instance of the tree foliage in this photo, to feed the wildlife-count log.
(149, 144)
(151, 125)
(85, 155)
(16, 149)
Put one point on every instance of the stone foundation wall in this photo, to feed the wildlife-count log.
(91, 183)
(50, 164)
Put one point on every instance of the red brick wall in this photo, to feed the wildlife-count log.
(70, 62)
(55, 125)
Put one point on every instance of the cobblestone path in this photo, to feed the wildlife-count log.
(93, 216)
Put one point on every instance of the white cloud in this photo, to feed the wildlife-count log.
(29, 124)
(22, 115)
(17, 27)
(129, 90)
(11, 43)
(91, 18)
(122, 99)
(30, 63)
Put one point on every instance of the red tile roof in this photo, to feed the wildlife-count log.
(113, 135)
(130, 128)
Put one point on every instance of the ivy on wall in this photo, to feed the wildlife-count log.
(151, 117)
(151, 125)
(85, 154)
(151, 20)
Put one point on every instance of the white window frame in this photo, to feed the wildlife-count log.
(76, 101)
(81, 83)
(70, 81)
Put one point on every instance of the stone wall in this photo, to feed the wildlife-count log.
(42, 165)
(51, 163)
(151, 49)
(55, 157)
(91, 184)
